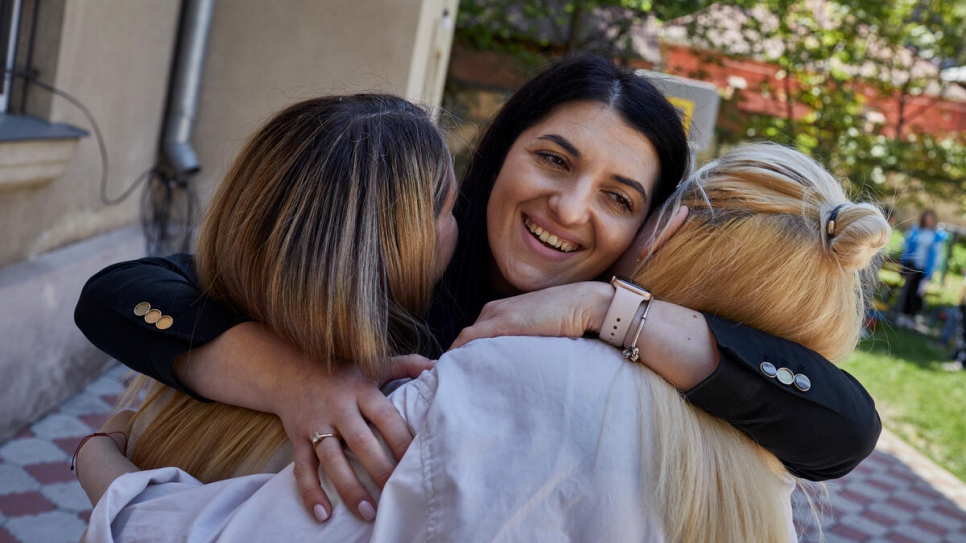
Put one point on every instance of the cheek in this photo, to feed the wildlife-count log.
(498, 217)
(447, 233)
(451, 235)
(615, 238)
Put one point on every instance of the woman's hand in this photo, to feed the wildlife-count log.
(344, 404)
(249, 366)
(564, 311)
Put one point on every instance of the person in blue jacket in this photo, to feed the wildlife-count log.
(921, 254)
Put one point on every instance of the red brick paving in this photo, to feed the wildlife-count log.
(68, 444)
(51, 472)
(899, 538)
(25, 503)
(95, 421)
(7, 537)
(851, 533)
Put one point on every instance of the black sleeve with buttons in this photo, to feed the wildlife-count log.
(816, 418)
(147, 312)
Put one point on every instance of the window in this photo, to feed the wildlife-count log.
(9, 23)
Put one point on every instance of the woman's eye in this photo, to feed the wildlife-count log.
(622, 201)
(553, 159)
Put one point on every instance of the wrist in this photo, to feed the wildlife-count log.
(596, 302)
(628, 304)
(98, 441)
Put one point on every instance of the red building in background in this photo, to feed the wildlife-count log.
(936, 115)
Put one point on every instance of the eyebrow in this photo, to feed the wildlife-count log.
(563, 142)
(569, 147)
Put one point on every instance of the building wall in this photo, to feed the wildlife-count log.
(929, 114)
(266, 54)
(115, 57)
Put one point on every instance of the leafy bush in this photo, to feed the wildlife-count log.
(957, 259)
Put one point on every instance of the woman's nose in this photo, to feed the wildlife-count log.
(572, 204)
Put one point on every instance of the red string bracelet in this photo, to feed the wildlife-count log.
(73, 459)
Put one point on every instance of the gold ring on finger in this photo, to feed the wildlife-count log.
(319, 436)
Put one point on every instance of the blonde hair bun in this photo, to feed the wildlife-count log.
(860, 232)
(761, 211)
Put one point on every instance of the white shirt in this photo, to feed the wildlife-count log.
(517, 439)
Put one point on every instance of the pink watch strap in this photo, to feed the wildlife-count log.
(620, 315)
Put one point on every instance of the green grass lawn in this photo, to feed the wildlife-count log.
(917, 398)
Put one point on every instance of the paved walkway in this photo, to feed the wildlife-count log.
(896, 495)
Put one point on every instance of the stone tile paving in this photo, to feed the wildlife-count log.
(895, 496)
(40, 499)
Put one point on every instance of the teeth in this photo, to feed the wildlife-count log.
(549, 239)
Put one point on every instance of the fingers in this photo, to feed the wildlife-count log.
(479, 330)
(410, 365)
(307, 481)
(466, 335)
(395, 431)
(361, 440)
(415, 364)
(337, 468)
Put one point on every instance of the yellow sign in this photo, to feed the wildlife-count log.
(687, 111)
(696, 100)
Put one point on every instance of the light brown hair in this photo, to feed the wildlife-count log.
(324, 231)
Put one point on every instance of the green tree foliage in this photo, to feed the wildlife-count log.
(532, 29)
(839, 61)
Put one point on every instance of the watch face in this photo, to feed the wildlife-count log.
(627, 284)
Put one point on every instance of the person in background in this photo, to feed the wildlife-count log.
(920, 257)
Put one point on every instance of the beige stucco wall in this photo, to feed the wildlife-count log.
(114, 57)
(266, 54)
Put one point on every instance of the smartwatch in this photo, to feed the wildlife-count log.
(628, 299)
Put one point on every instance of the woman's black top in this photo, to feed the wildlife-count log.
(819, 433)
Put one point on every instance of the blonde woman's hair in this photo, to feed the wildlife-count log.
(756, 248)
(323, 230)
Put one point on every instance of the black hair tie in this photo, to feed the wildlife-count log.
(830, 223)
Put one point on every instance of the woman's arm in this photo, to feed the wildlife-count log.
(252, 367)
(819, 434)
(100, 459)
(210, 352)
(108, 314)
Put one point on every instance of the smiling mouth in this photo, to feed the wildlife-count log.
(549, 239)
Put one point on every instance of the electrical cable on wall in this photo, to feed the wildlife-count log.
(161, 194)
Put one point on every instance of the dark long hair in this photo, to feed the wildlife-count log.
(466, 286)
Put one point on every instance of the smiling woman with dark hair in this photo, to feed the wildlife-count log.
(560, 183)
